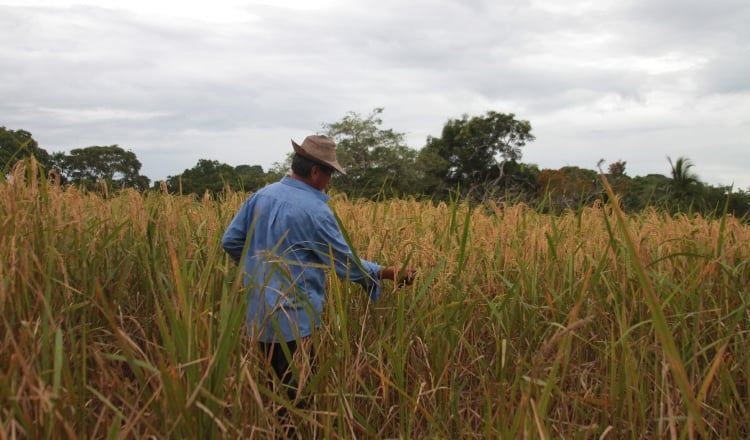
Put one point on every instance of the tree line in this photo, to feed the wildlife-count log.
(88, 167)
(475, 158)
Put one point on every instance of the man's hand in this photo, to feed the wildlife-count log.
(403, 277)
(406, 277)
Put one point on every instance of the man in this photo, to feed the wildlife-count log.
(289, 237)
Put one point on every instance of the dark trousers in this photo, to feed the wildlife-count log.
(281, 366)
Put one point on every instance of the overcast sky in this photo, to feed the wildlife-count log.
(234, 81)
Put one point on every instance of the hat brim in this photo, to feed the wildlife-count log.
(332, 164)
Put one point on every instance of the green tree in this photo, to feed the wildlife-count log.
(214, 177)
(519, 183)
(739, 203)
(111, 164)
(617, 178)
(617, 169)
(475, 151)
(569, 188)
(376, 160)
(644, 191)
(683, 179)
(714, 199)
(685, 185)
(16, 145)
(252, 177)
(206, 175)
(280, 169)
(432, 170)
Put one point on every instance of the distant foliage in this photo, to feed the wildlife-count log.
(474, 152)
(91, 167)
(476, 158)
(377, 161)
(16, 145)
(211, 176)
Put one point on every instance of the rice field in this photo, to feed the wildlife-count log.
(123, 318)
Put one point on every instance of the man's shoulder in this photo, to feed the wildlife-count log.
(272, 189)
(288, 191)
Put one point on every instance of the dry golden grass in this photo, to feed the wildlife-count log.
(122, 317)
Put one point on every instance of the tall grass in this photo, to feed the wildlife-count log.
(123, 318)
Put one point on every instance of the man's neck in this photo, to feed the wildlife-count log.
(307, 180)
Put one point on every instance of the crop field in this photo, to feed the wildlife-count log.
(122, 317)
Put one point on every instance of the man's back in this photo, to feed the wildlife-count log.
(293, 237)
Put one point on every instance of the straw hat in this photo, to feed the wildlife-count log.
(320, 149)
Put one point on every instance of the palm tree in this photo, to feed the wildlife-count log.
(683, 180)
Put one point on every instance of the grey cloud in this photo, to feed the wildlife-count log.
(627, 79)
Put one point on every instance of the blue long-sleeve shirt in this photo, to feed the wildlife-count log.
(291, 237)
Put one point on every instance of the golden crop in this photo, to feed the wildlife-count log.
(122, 317)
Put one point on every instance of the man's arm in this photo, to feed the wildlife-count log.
(234, 237)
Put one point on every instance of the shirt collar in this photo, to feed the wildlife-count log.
(287, 180)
